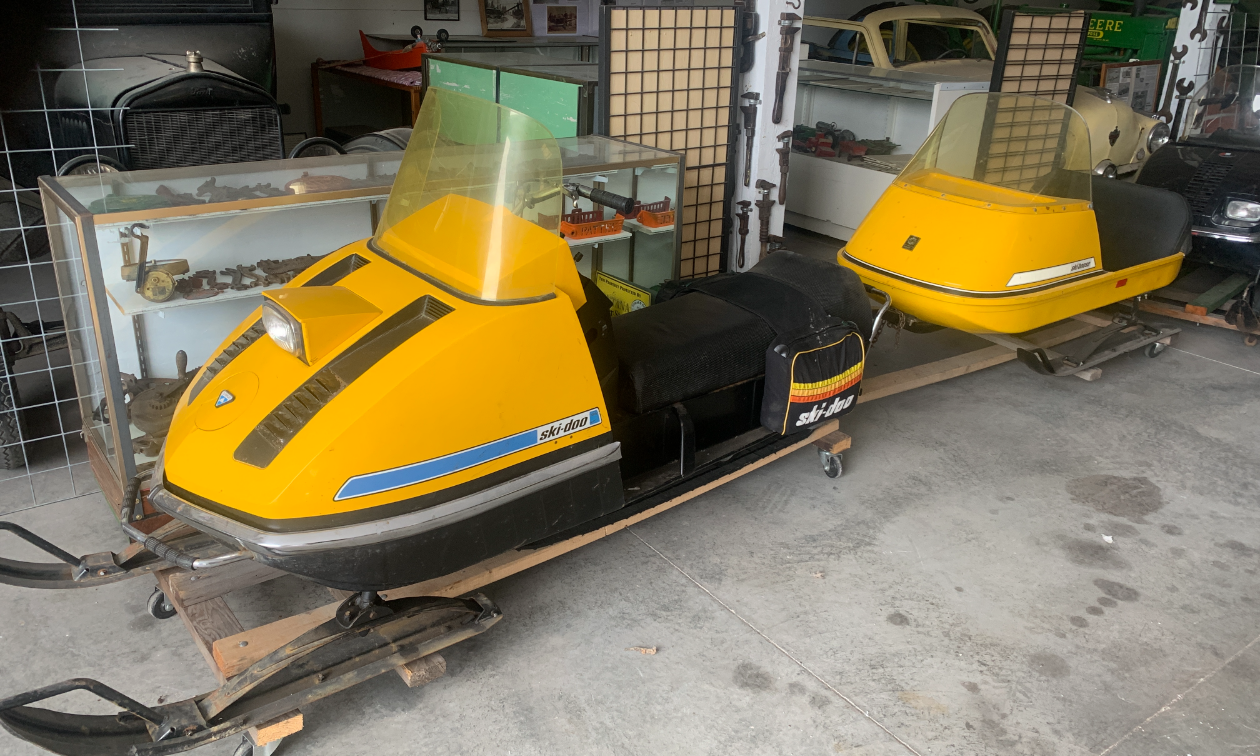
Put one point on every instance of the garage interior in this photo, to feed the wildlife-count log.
(1009, 563)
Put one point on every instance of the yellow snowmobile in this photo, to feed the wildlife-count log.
(446, 391)
(997, 224)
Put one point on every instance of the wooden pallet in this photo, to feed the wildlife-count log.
(1201, 295)
(230, 649)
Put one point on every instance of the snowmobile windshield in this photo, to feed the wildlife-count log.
(1005, 149)
(477, 202)
(1225, 112)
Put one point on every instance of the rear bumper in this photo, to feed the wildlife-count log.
(395, 550)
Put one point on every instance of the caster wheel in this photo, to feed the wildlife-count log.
(1155, 349)
(158, 606)
(443, 36)
(416, 32)
(831, 464)
(1250, 339)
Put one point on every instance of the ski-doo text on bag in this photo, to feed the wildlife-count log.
(813, 366)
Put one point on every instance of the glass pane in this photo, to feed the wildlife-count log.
(477, 200)
(1006, 149)
(926, 41)
(1226, 110)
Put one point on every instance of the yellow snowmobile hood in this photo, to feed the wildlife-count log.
(436, 374)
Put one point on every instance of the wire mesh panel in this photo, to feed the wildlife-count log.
(1024, 141)
(1039, 54)
(669, 84)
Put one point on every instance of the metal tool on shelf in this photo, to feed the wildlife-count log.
(742, 216)
(764, 206)
(155, 279)
(784, 149)
(787, 46)
(749, 109)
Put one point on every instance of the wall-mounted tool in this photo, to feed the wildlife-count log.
(764, 206)
(787, 48)
(749, 109)
(749, 35)
(155, 279)
(1166, 112)
(1184, 90)
(742, 215)
(784, 149)
(1199, 31)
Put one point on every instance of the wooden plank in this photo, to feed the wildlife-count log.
(1172, 311)
(834, 443)
(422, 671)
(280, 727)
(207, 621)
(234, 654)
(880, 386)
(1213, 298)
(203, 585)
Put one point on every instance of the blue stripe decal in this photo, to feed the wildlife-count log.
(419, 472)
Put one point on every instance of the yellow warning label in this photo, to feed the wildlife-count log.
(625, 296)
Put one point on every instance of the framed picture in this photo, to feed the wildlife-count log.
(441, 10)
(1135, 83)
(505, 18)
(562, 19)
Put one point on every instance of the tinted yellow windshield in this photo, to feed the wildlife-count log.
(1007, 149)
(476, 202)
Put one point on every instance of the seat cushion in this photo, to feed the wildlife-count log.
(1138, 224)
(694, 343)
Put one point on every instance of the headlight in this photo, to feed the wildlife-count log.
(1241, 210)
(284, 330)
(1158, 136)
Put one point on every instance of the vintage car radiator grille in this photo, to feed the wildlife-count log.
(176, 138)
(1202, 186)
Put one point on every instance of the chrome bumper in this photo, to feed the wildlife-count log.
(366, 533)
(1233, 236)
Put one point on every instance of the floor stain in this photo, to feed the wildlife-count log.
(1110, 603)
(1118, 591)
(819, 701)
(1172, 530)
(971, 687)
(1092, 554)
(796, 689)
(1120, 529)
(923, 703)
(897, 618)
(1097, 611)
(1048, 664)
(1078, 621)
(1239, 548)
(1118, 496)
(751, 677)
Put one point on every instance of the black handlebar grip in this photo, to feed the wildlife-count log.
(623, 205)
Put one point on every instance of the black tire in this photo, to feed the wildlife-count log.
(89, 165)
(1155, 349)
(158, 607)
(416, 32)
(12, 454)
(834, 468)
(20, 208)
(443, 36)
(315, 147)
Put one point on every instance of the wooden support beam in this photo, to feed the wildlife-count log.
(1172, 311)
(1211, 300)
(194, 587)
(207, 621)
(280, 727)
(234, 654)
(834, 443)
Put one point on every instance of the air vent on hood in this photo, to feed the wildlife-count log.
(1203, 185)
(227, 355)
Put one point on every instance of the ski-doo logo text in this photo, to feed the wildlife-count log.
(825, 409)
(566, 426)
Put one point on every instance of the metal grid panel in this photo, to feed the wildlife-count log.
(670, 74)
(177, 138)
(41, 426)
(1024, 139)
(1039, 54)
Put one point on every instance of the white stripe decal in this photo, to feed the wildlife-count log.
(1045, 274)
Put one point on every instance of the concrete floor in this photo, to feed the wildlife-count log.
(1011, 564)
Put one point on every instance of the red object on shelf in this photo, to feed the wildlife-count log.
(411, 56)
(851, 148)
(587, 224)
(653, 214)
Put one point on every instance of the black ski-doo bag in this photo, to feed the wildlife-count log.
(813, 365)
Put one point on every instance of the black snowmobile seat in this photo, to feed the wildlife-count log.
(1138, 224)
(695, 343)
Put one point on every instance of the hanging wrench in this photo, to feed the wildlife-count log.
(1166, 112)
(1190, 4)
(1184, 90)
(1200, 29)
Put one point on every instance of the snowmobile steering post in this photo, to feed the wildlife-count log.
(787, 44)
(749, 110)
(164, 551)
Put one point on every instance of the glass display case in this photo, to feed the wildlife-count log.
(865, 123)
(635, 254)
(153, 263)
